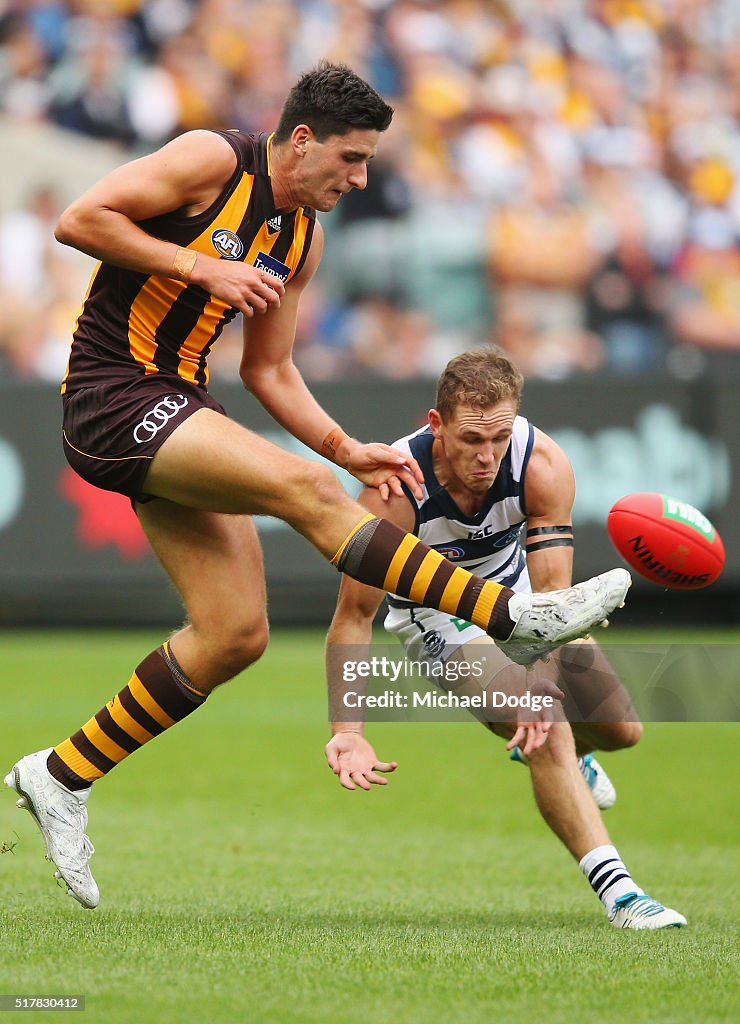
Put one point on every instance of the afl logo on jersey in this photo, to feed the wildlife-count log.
(227, 244)
(451, 553)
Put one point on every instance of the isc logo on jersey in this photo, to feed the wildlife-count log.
(227, 244)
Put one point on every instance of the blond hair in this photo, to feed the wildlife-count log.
(479, 379)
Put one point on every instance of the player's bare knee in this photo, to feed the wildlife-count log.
(241, 648)
(629, 733)
(505, 730)
(559, 748)
(312, 491)
(325, 488)
(618, 736)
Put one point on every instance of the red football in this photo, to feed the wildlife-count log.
(666, 540)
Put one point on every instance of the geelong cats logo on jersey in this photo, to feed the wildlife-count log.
(227, 244)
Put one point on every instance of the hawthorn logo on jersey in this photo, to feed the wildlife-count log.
(272, 266)
(274, 223)
(227, 244)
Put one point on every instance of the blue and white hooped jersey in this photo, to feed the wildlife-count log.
(489, 542)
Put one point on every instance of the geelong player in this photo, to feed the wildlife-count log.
(490, 475)
(214, 225)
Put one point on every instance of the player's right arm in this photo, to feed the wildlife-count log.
(349, 754)
(185, 175)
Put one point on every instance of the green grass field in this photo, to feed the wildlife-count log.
(241, 884)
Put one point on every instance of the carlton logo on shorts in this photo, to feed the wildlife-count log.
(227, 244)
(156, 418)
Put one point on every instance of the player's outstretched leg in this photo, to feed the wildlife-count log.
(567, 806)
(61, 816)
(626, 904)
(54, 784)
(526, 626)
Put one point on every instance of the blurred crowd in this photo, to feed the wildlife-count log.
(561, 176)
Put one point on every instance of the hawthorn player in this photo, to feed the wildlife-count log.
(213, 225)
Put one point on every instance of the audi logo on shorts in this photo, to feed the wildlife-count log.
(156, 418)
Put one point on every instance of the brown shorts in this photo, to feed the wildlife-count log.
(112, 432)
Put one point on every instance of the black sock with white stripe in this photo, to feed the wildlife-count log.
(607, 875)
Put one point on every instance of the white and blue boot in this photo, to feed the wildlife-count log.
(601, 786)
(641, 912)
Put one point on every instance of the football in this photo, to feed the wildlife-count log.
(666, 540)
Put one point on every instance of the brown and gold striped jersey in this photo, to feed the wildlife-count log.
(133, 323)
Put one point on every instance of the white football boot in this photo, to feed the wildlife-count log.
(642, 912)
(601, 786)
(548, 620)
(61, 816)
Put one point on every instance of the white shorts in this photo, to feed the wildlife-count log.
(429, 635)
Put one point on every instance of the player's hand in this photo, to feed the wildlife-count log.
(531, 734)
(238, 284)
(533, 727)
(352, 758)
(379, 465)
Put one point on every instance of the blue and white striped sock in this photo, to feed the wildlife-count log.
(607, 875)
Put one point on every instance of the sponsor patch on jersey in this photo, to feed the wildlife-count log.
(272, 266)
(451, 552)
(274, 224)
(227, 244)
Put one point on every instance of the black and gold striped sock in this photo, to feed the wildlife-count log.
(158, 695)
(380, 554)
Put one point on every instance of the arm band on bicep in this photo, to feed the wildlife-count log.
(561, 542)
(540, 531)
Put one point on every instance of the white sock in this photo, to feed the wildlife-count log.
(607, 875)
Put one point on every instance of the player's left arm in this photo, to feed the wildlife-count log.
(269, 372)
(549, 492)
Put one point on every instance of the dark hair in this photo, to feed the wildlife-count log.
(479, 379)
(332, 100)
